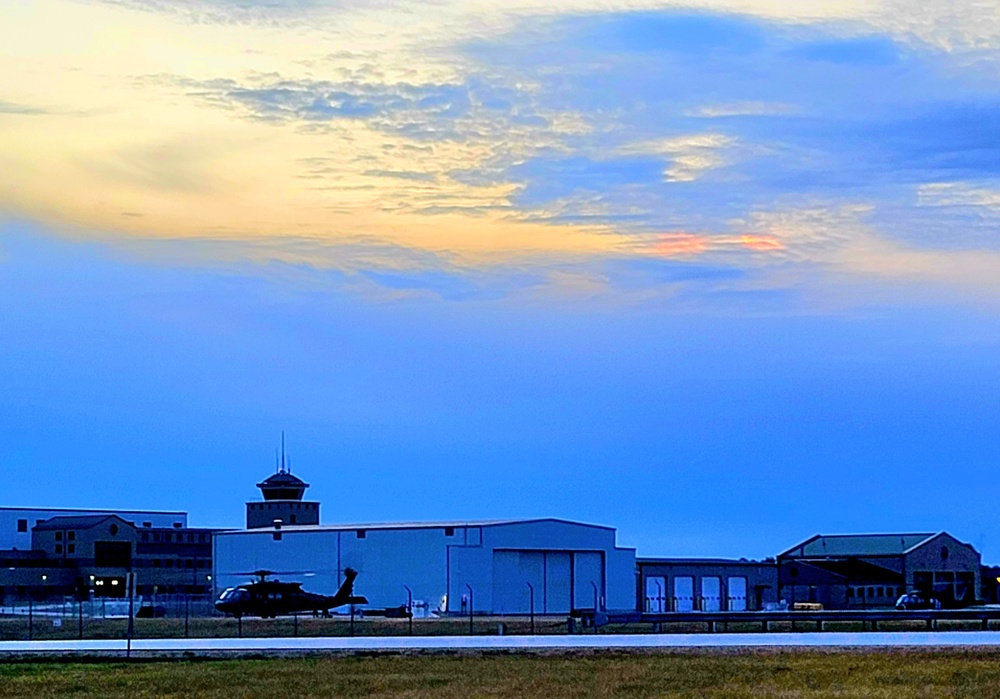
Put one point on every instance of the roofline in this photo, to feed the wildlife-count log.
(95, 510)
(937, 536)
(927, 537)
(801, 545)
(705, 561)
(44, 524)
(412, 525)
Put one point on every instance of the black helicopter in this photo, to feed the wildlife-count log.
(271, 598)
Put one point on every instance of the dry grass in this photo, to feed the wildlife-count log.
(871, 675)
(216, 627)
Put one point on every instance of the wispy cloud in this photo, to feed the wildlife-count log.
(962, 194)
(20, 109)
(548, 138)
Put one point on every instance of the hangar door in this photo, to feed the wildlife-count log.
(561, 580)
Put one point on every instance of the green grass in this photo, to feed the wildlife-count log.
(215, 627)
(784, 675)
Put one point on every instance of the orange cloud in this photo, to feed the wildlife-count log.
(761, 243)
(679, 244)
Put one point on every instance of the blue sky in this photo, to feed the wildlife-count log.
(723, 276)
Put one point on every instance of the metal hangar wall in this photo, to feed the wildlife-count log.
(496, 567)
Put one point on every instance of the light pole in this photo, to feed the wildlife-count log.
(471, 607)
(531, 606)
(409, 606)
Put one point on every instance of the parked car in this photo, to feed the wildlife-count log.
(918, 600)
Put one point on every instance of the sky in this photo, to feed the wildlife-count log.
(722, 274)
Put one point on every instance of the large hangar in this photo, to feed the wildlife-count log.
(495, 567)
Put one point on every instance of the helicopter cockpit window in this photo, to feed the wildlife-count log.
(234, 594)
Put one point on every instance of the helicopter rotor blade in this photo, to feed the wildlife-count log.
(279, 572)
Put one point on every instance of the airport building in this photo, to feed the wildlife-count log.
(705, 585)
(84, 553)
(501, 566)
(873, 570)
(508, 566)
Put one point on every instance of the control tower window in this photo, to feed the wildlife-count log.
(22, 526)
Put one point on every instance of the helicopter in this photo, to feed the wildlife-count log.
(271, 598)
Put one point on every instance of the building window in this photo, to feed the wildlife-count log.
(113, 529)
(177, 525)
(156, 537)
(291, 519)
(71, 536)
(145, 536)
(147, 524)
(881, 592)
(71, 548)
(362, 533)
(22, 526)
(944, 553)
(871, 591)
(156, 563)
(58, 548)
(58, 536)
(277, 536)
(449, 531)
(850, 593)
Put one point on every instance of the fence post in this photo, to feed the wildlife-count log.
(531, 603)
(130, 628)
(187, 615)
(594, 585)
(471, 607)
(409, 606)
(31, 618)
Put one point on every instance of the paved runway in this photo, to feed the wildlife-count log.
(951, 639)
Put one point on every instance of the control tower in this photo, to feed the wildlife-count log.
(282, 499)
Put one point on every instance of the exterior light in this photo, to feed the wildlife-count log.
(210, 578)
(114, 582)
(91, 578)
(44, 578)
